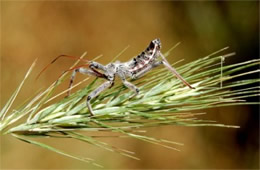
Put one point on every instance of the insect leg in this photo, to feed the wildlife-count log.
(128, 84)
(82, 71)
(97, 65)
(169, 67)
(148, 68)
(95, 93)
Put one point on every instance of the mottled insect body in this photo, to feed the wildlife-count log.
(135, 68)
(144, 59)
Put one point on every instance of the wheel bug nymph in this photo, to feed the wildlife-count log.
(134, 69)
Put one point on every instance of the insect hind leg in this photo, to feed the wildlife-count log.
(170, 68)
(147, 69)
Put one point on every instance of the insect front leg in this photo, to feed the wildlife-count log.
(97, 65)
(83, 71)
(96, 92)
(169, 67)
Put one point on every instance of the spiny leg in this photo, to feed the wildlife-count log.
(97, 65)
(95, 93)
(128, 84)
(132, 87)
(139, 74)
(169, 67)
(148, 68)
(82, 71)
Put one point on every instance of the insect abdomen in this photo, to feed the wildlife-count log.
(147, 57)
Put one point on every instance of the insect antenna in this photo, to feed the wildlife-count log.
(66, 56)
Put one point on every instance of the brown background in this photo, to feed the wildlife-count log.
(43, 30)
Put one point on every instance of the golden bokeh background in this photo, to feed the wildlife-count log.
(46, 29)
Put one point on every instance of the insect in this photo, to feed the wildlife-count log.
(134, 69)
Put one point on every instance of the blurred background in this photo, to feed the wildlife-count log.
(44, 30)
